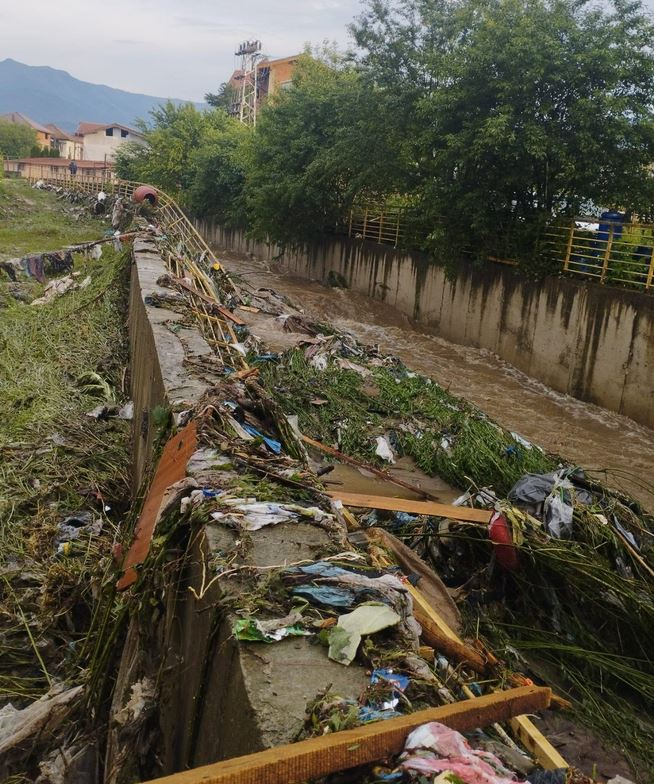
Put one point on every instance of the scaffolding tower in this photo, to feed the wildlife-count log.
(249, 53)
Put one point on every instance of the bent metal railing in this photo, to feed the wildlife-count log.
(186, 255)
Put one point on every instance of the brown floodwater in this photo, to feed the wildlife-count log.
(582, 433)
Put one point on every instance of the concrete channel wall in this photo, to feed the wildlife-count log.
(217, 698)
(593, 342)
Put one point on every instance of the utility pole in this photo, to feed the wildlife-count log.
(249, 53)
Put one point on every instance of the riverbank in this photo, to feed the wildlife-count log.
(64, 482)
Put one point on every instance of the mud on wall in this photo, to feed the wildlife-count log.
(592, 342)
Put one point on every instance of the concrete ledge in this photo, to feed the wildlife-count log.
(159, 374)
(217, 697)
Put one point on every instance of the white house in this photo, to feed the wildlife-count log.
(101, 140)
(69, 146)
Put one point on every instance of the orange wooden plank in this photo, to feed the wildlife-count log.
(414, 507)
(171, 468)
(317, 757)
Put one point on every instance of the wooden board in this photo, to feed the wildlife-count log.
(481, 516)
(171, 468)
(534, 740)
(343, 458)
(317, 757)
(439, 635)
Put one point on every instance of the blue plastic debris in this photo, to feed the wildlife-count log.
(368, 714)
(399, 681)
(274, 446)
(326, 596)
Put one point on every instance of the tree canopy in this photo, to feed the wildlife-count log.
(490, 117)
(16, 141)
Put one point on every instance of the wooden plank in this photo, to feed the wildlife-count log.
(451, 647)
(534, 740)
(464, 513)
(171, 468)
(433, 629)
(317, 757)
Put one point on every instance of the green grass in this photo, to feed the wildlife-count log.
(32, 221)
(444, 435)
(54, 460)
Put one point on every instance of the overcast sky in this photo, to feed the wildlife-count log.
(169, 48)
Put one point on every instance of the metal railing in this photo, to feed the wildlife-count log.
(187, 256)
(604, 251)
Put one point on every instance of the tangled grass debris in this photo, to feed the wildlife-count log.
(64, 477)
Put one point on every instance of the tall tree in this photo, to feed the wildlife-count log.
(16, 141)
(525, 108)
(225, 98)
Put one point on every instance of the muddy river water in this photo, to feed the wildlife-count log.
(585, 434)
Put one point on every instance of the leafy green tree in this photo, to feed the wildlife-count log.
(200, 156)
(219, 167)
(317, 148)
(524, 109)
(226, 97)
(16, 141)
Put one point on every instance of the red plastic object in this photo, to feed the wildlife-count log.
(500, 535)
(146, 193)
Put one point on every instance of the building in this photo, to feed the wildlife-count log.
(272, 76)
(70, 147)
(42, 133)
(278, 74)
(101, 140)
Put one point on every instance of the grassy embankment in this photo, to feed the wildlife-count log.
(54, 460)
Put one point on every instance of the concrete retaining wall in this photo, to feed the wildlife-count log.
(592, 342)
(216, 697)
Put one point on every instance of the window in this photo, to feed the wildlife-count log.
(108, 131)
(123, 133)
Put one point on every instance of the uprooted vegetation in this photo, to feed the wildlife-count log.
(64, 475)
(578, 609)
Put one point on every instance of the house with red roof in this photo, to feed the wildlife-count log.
(42, 133)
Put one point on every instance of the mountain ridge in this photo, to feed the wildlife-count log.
(51, 95)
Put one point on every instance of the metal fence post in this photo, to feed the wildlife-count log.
(365, 223)
(381, 225)
(607, 254)
(568, 251)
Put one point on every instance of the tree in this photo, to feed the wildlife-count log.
(16, 140)
(317, 148)
(200, 156)
(226, 97)
(219, 167)
(524, 109)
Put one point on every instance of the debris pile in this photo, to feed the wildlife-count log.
(64, 487)
(430, 604)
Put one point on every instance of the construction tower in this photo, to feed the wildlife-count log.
(250, 54)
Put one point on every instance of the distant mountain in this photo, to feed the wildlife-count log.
(50, 96)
